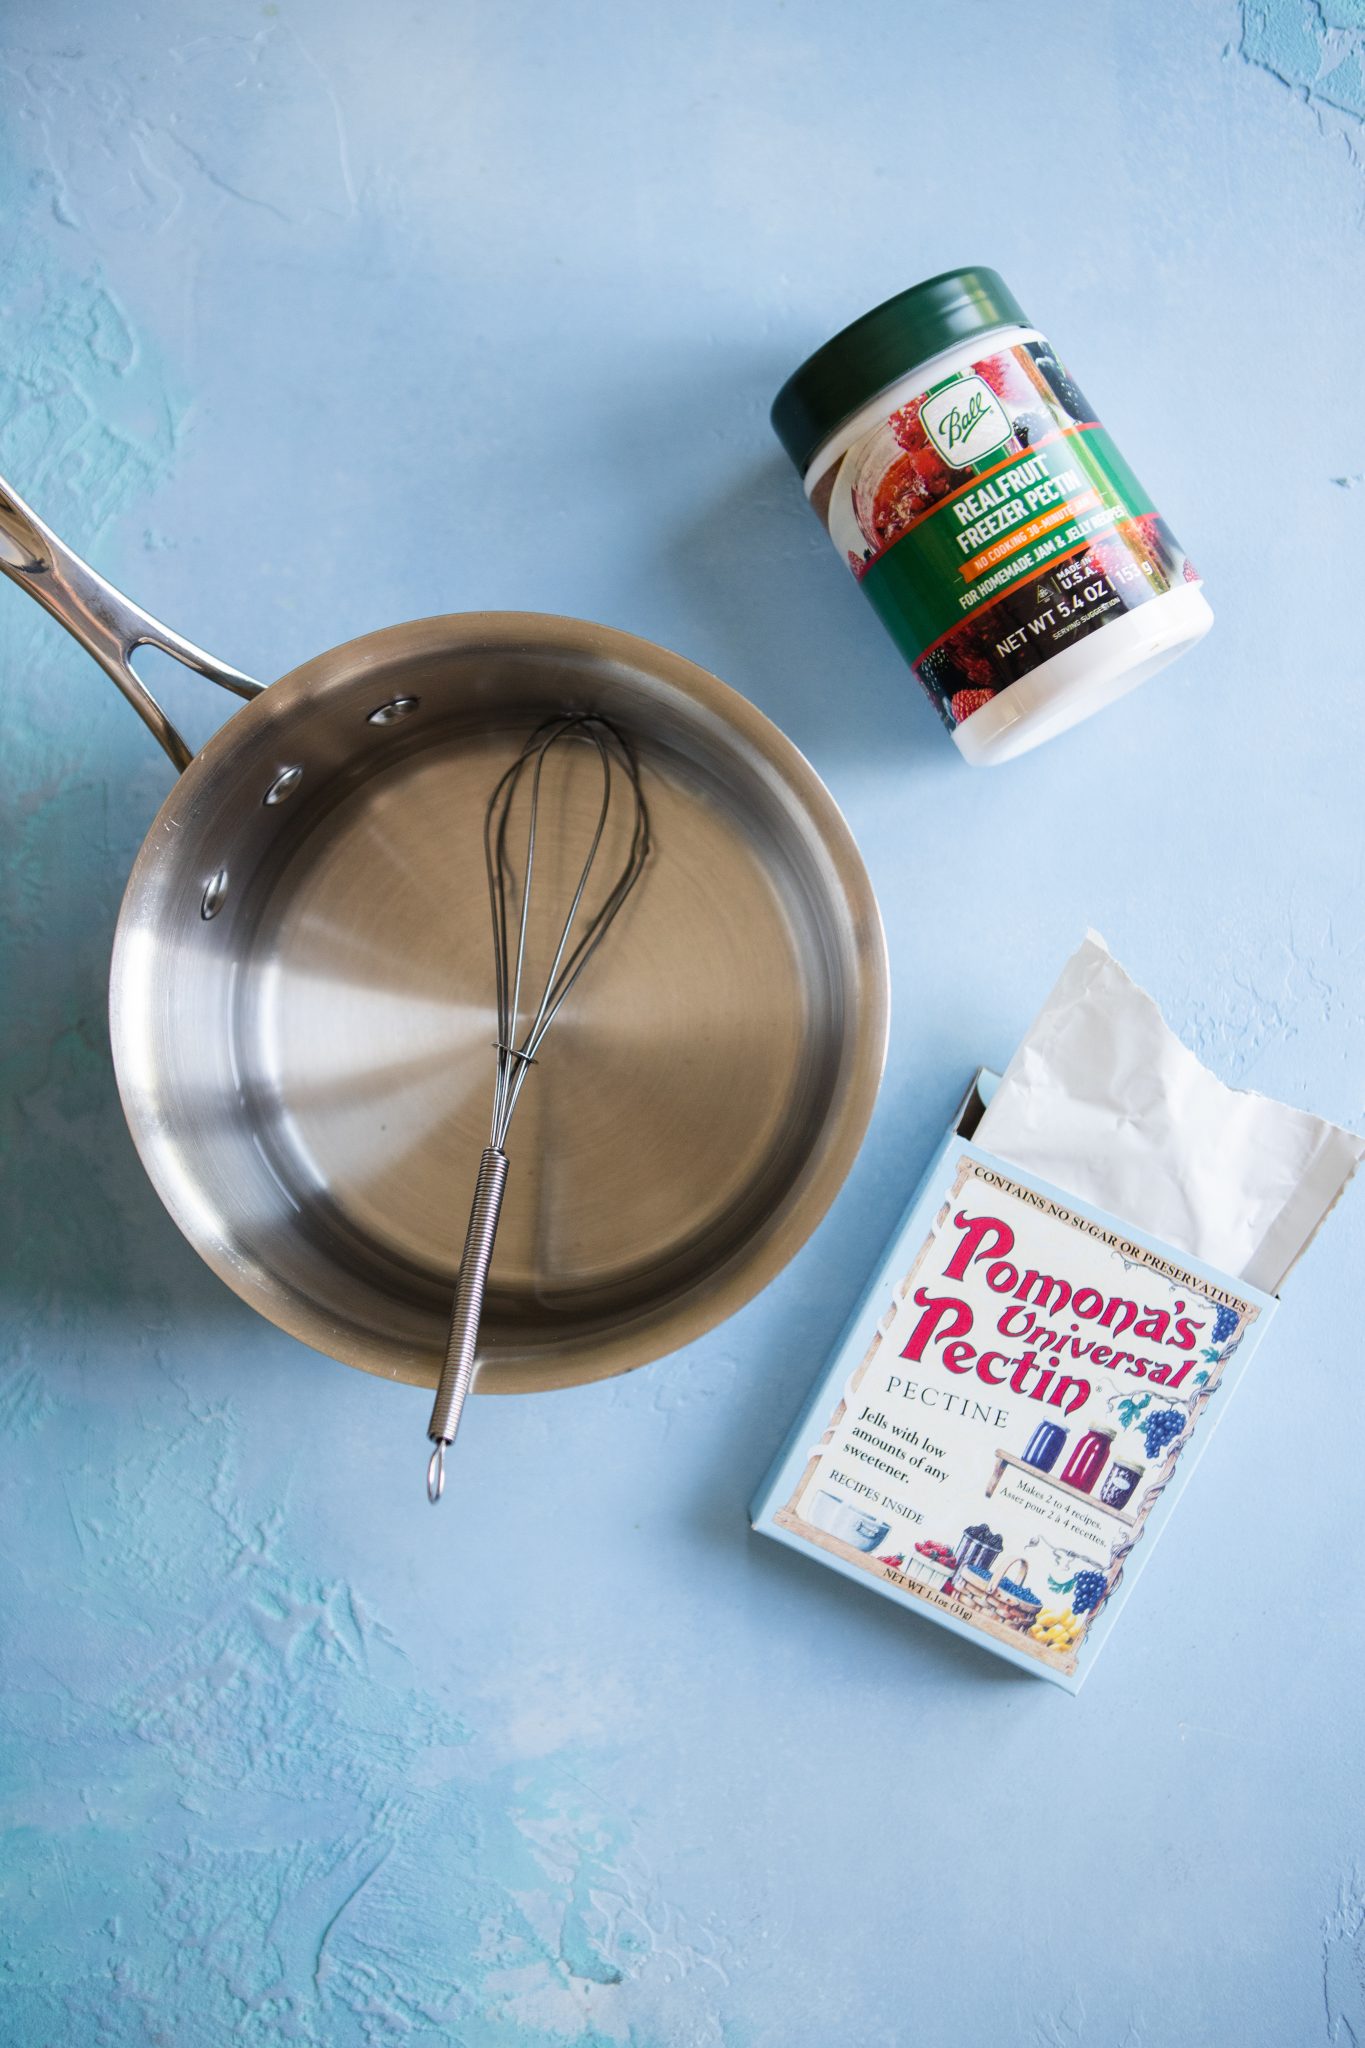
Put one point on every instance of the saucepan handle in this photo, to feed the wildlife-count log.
(107, 624)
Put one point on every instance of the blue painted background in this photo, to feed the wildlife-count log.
(317, 316)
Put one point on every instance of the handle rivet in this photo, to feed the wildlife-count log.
(390, 713)
(215, 895)
(283, 786)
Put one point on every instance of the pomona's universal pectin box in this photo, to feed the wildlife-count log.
(1013, 1410)
(1022, 1392)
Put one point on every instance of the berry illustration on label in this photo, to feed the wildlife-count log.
(1162, 1429)
(1087, 1592)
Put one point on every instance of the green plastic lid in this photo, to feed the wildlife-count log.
(885, 345)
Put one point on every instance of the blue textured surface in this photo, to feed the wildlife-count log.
(320, 316)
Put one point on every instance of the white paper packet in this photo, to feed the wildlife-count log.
(1103, 1100)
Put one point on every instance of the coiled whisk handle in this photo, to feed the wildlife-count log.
(462, 1342)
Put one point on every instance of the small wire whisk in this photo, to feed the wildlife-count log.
(516, 996)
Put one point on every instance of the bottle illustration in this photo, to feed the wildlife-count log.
(1120, 1483)
(1087, 1461)
(1045, 1446)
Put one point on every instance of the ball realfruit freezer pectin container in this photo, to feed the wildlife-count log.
(1017, 562)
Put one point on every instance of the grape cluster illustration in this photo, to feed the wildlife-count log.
(1224, 1323)
(1160, 1429)
(1087, 1592)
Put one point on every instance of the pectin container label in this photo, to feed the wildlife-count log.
(992, 522)
(997, 1450)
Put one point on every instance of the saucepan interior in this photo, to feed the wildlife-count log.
(302, 1008)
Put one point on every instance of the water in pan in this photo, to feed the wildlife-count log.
(675, 1100)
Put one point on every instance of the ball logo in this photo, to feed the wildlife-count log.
(965, 421)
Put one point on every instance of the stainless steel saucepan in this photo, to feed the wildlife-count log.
(301, 1011)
